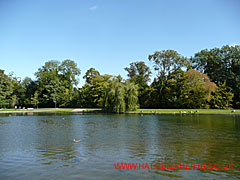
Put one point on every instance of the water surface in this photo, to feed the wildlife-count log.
(40, 146)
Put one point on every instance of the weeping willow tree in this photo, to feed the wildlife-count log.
(120, 97)
(114, 97)
(131, 96)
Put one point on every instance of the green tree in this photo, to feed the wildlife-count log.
(56, 82)
(221, 98)
(34, 99)
(70, 72)
(120, 97)
(114, 100)
(196, 89)
(165, 63)
(139, 73)
(91, 74)
(131, 96)
(221, 65)
(92, 93)
(29, 87)
(171, 92)
(54, 91)
(85, 99)
(148, 98)
(75, 99)
(18, 95)
(6, 90)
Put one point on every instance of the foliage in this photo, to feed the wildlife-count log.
(120, 97)
(165, 63)
(92, 93)
(221, 98)
(149, 98)
(56, 82)
(139, 73)
(213, 82)
(114, 99)
(131, 96)
(221, 65)
(91, 74)
(196, 89)
(171, 93)
(69, 72)
(6, 90)
(35, 100)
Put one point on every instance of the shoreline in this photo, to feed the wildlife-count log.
(140, 111)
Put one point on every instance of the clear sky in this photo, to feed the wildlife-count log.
(109, 34)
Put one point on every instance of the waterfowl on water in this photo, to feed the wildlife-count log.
(76, 140)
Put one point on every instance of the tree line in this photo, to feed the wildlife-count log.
(209, 79)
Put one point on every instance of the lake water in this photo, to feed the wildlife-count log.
(40, 146)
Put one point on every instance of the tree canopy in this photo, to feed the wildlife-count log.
(139, 73)
(56, 82)
(221, 65)
(6, 90)
(120, 97)
(209, 79)
(196, 89)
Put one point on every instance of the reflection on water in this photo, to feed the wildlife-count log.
(41, 146)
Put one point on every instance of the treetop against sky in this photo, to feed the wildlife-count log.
(108, 35)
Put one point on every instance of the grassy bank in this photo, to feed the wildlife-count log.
(139, 111)
(188, 111)
(50, 110)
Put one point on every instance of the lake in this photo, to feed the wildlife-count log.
(40, 146)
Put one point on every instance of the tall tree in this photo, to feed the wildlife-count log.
(18, 91)
(196, 89)
(131, 96)
(91, 74)
(6, 90)
(221, 65)
(221, 98)
(34, 99)
(114, 100)
(120, 97)
(92, 93)
(70, 72)
(56, 81)
(166, 62)
(149, 98)
(139, 73)
(171, 92)
(29, 88)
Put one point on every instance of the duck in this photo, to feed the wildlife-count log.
(76, 140)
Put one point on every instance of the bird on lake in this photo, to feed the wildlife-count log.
(76, 140)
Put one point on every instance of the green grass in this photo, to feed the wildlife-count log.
(7, 109)
(53, 109)
(158, 111)
(40, 109)
(177, 111)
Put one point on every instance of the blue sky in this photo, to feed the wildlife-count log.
(109, 34)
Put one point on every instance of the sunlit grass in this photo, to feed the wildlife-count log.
(198, 111)
(7, 109)
(55, 109)
(152, 111)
